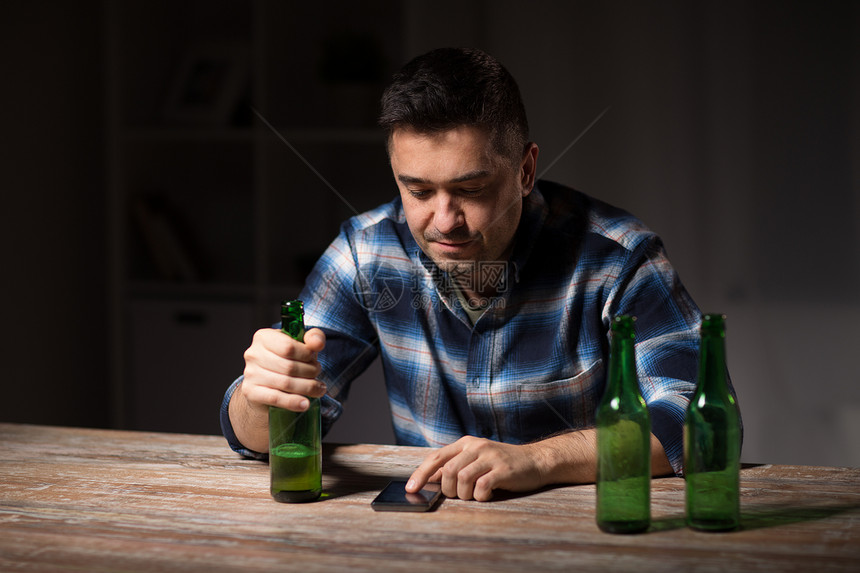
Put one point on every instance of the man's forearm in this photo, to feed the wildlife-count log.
(250, 424)
(572, 458)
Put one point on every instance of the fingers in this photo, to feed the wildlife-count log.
(431, 468)
(468, 477)
(262, 395)
(277, 343)
(280, 371)
(315, 340)
(465, 469)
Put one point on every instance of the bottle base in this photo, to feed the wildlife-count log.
(623, 526)
(296, 496)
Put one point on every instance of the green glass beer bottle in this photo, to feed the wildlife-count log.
(712, 440)
(295, 438)
(623, 441)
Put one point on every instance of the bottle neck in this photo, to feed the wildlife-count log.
(293, 319)
(712, 362)
(293, 326)
(622, 367)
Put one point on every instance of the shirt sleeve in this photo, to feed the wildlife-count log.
(333, 303)
(667, 340)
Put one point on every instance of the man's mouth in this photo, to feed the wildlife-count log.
(450, 246)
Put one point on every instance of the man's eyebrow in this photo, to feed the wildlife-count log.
(471, 175)
(477, 174)
(409, 179)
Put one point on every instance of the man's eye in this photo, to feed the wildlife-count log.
(418, 193)
(471, 190)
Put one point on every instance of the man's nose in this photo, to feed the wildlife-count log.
(448, 215)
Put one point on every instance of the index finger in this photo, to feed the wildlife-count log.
(430, 466)
(285, 346)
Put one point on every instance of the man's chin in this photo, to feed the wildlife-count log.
(458, 267)
(451, 264)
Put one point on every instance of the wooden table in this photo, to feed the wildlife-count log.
(103, 500)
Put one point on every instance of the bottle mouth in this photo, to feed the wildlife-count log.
(292, 305)
(713, 322)
(622, 325)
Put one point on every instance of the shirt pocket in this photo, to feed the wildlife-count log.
(546, 408)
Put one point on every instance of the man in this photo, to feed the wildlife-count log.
(488, 297)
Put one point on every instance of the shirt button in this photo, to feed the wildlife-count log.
(476, 382)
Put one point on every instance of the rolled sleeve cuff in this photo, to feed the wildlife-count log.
(667, 424)
(227, 426)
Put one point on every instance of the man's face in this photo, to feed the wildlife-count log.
(462, 200)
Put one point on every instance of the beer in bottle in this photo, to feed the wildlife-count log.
(623, 441)
(712, 439)
(295, 438)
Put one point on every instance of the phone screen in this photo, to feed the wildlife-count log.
(395, 497)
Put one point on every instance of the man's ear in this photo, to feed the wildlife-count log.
(528, 168)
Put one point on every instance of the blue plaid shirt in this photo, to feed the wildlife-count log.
(534, 362)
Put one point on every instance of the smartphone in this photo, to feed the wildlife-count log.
(395, 497)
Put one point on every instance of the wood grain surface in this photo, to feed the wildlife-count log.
(103, 500)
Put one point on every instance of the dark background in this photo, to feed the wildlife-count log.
(731, 128)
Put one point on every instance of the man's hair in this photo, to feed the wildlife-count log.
(453, 87)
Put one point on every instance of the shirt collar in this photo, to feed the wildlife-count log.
(535, 212)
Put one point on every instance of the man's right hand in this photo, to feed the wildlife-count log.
(279, 371)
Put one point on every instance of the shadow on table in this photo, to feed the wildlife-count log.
(774, 515)
(761, 517)
(346, 480)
